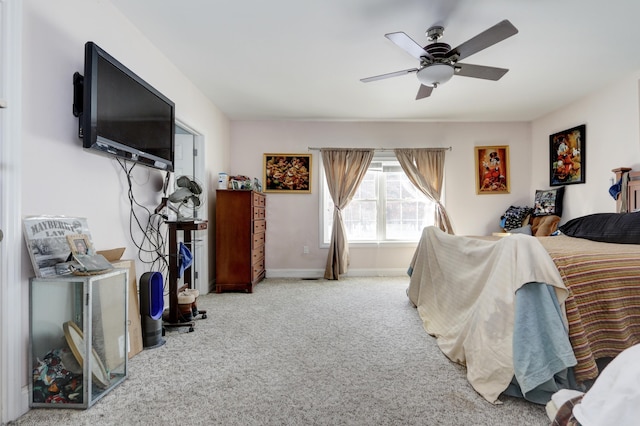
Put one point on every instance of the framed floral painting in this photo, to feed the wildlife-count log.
(287, 173)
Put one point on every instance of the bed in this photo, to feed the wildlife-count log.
(530, 315)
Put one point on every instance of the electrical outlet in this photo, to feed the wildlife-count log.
(305, 249)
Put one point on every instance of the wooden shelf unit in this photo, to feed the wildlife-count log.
(186, 227)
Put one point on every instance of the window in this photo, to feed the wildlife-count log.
(386, 207)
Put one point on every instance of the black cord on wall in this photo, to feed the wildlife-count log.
(142, 221)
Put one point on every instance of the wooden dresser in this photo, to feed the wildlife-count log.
(240, 239)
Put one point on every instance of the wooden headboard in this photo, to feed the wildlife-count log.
(632, 189)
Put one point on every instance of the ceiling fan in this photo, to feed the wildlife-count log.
(439, 62)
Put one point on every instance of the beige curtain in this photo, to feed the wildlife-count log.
(344, 169)
(425, 169)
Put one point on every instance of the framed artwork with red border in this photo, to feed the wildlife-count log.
(492, 169)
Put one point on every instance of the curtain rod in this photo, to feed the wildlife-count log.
(313, 148)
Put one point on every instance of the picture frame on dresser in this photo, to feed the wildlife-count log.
(79, 243)
(287, 173)
(567, 156)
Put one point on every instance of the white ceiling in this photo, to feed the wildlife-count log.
(303, 59)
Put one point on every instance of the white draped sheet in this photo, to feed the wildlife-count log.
(464, 289)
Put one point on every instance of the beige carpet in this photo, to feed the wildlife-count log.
(298, 352)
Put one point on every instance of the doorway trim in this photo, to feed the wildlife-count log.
(13, 348)
(201, 248)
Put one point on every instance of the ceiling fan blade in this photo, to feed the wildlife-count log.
(480, 71)
(424, 92)
(487, 38)
(391, 74)
(406, 43)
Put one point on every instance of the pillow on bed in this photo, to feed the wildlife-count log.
(548, 201)
(515, 217)
(522, 230)
(543, 226)
(623, 228)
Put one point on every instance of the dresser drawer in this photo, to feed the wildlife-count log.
(258, 270)
(259, 226)
(257, 254)
(258, 199)
(259, 213)
(258, 240)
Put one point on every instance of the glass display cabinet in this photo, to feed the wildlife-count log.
(78, 338)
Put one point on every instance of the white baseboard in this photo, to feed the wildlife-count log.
(24, 399)
(294, 273)
(319, 273)
(388, 272)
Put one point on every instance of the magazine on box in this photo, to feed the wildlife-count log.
(46, 238)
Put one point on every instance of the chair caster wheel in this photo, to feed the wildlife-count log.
(204, 316)
(191, 329)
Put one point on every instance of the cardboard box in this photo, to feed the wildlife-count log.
(109, 331)
(112, 255)
(135, 325)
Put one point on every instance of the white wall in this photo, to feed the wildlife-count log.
(612, 119)
(293, 218)
(58, 176)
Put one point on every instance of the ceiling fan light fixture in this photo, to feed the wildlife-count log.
(434, 75)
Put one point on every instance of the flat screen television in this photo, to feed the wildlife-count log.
(122, 115)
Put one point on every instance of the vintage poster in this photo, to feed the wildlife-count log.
(492, 170)
(46, 238)
(567, 156)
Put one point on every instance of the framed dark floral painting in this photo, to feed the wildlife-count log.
(287, 173)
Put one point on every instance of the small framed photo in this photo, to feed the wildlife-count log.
(492, 169)
(287, 173)
(567, 156)
(79, 243)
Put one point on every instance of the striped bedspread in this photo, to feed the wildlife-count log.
(603, 306)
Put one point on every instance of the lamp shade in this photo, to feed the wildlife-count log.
(435, 74)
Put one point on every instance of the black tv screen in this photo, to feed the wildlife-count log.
(124, 116)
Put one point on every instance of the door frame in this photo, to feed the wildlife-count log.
(13, 297)
(201, 242)
(198, 143)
